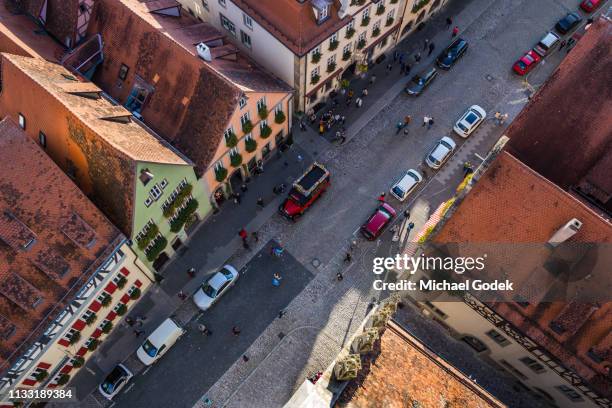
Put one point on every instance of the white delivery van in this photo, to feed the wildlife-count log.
(159, 341)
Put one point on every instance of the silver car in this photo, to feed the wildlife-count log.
(440, 152)
(469, 121)
(215, 286)
(406, 184)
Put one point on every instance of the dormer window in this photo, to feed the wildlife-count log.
(321, 10)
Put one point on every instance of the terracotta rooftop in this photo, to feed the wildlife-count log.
(403, 372)
(512, 204)
(293, 23)
(166, 52)
(564, 132)
(125, 136)
(52, 238)
(21, 35)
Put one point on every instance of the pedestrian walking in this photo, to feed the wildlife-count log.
(358, 102)
(299, 158)
(400, 125)
(191, 272)
(410, 226)
(342, 119)
(417, 57)
(426, 120)
(503, 118)
(430, 123)
(243, 234)
(302, 126)
(449, 22)
(276, 280)
(467, 168)
(407, 119)
(364, 93)
(237, 198)
(204, 330)
(389, 67)
(497, 117)
(431, 48)
(255, 236)
(407, 213)
(339, 276)
(562, 44)
(182, 295)
(348, 257)
(372, 79)
(235, 330)
(243, 187)
(260, 202)
(276, 251)
(455, 32)
(138, 332)
(425, 44)
(381, 197)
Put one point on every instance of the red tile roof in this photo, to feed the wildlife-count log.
(564, 132)
(37, 202)
(292, 22)
(403, 372)
(511, 203)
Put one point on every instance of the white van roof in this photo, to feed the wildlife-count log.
(163, 332)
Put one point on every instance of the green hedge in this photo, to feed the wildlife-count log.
(63, 379)
(78, 361)
(121, 282)
(178, 200)
(93, 345)
(265, 131)
(250, 145)
(108, 326)
(232, 140)
(159, 245)
(177, 223)
(263, 112)
(146, 240)
(92, 318)
(41, 375)
(121, 309)
(279, 117)
(75, 337)
(220, 174)
(247, 127)
(135, 294)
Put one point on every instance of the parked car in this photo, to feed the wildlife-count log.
(215, 286)
(305, 191)
(406, 184)
(469, 121)
(526, 62)
(419, 82)
(159, 342)
(546, 44)
(452, 53)
(115, 381)
(440, 152)
(589, 6)
(568, 22)
(377, 222)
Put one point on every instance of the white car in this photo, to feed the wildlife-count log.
(440, 152)
(115, 381)
(159, 342)
(215, 286)
(470, 120)
(406, 184)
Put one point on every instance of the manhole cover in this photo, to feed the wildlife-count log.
(489, 77)
(316, 263)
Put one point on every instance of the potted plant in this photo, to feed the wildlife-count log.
(349, 33)
(121, 309)
(121, 282)
(76, 336)
(380, 9)
(315, 78)
(90, 319)
(361, 43)
(250, 145)
(279, 117)
(41, 375)
(333, 45)
(78, 361)
(63, 379)
(235, 159)
(231, 140)
(365, 21)
(158, 246)
(265, 131)
(106, 300)
(262, 111)
(316, 57)
(220, 174)
(247, 127)
(331, 67)
(93, 344)
(419, 5)
(107, 327)
(390, 21)
(376, 32)
(346, 55)
(135, 293)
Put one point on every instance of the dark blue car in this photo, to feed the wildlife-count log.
(452, 53)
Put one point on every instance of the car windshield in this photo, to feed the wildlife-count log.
(460, 125)
(398, 191)
(113, 378)
(528, 58)
(209, 290)
(445, 144)
(227, 273)
(522, 65)
(471, 118)
(414, 177)
(433, 160)
(149, 348)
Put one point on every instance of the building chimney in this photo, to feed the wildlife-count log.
(204, 52)
(565, 232)
(344, 5)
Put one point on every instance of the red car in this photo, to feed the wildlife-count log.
(378, 221)
(526, 63)
(589, 6)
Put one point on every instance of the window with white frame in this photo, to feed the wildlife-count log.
(42, 139)
(347, 48)
(22, 121)
(362, 36)
(242, 102)
(350, 25)
(245, 118)
(314, 72)
(70, 333)
(246, 39)
(261, 103)
(569, 392)
(248, 137)
(263, 123)
(331, 60)
(376, 25)
(333, 39)
(228, 133)
(234, 151)
(323, 12)
(247, 20)
(391, 14)
(218, 165)
(222, 3)
(227, 24)
(533, 364)
(278, 108)
(316, 50)
(87, 315)
(498, 337)
(366, 13)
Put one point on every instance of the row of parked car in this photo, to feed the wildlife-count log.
(550, 40)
